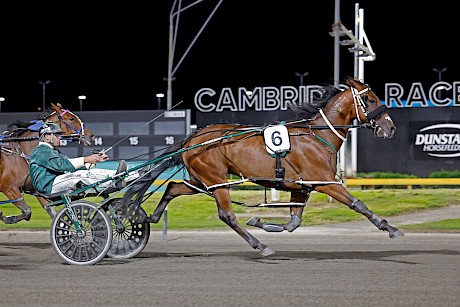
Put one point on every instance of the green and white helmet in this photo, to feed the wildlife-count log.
(49, 128)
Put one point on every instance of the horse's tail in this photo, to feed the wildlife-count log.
(172, 159)
(149, 173)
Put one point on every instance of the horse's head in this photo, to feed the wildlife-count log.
(70, 124)
(369, 110)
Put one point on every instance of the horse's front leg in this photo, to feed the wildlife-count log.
(226, 214)
(294, 222)
(340, 194)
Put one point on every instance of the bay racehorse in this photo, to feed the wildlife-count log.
(17, 144)
(307, 162)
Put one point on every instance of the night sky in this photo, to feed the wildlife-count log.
(116, 54)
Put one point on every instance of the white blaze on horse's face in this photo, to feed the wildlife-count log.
(385, 127)
(389, 118)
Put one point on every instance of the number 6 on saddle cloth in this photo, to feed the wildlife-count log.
(277, 143)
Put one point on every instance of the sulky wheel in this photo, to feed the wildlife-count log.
(88, 246)
(130, 232)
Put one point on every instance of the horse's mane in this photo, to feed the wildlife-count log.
(308, 109)
(320, 99)
(17, 128)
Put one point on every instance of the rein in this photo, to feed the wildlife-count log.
(18, 139)
(152, 120)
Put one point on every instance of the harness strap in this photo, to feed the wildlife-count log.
(279, 172)
(12, 200)
(325, 142)
(372, 115)
(358, 101)
(82, 125)
(316, 182)
(328, 123)
(8, 151)
(220, 185)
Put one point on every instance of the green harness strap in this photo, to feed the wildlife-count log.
(326, 142)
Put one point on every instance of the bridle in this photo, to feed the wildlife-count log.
(358, 101)
(79, 134)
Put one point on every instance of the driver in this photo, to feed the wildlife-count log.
(53, 172)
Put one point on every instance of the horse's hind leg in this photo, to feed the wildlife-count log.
(222, 197)
(227, 215)
(18, 201)
(173, 190)
(296, 216)
(339, 193)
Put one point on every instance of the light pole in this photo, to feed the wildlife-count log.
(301, 76)
(159, 96)
(2, 99)
(441, 88)
(174, 22)
(440, 71)
(44, 83)
(81, 98)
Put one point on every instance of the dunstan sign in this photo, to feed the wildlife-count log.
(437, 140)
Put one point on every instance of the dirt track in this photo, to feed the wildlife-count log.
(311, 267)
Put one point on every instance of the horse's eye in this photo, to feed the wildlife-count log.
(367, 100)
(71, 119)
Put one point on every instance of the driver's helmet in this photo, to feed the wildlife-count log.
(49, 128)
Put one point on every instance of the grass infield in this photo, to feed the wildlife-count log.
(199, 212)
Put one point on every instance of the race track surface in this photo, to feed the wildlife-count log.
(311, 267)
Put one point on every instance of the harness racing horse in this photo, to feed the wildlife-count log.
(308, 164)
(17, 144)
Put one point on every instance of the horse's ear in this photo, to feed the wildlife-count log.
(56, 107)
(352, 81)
(348, 80)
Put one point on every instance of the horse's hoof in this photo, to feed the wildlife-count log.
(12, 219)
(267, 252)
(294, 223)
(396, 234)
(253, 221)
